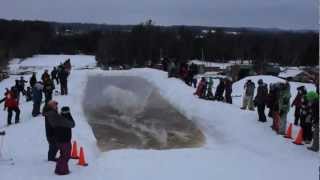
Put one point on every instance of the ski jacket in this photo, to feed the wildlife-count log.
(11, 101)
(284, 101)
(249, 88)
(262, 94)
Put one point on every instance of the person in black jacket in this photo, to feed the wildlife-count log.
(228, 88)
(219, 91)
(33, 80)
(63, 78)
(261, 100)
(21, 85)
(48, 87)
(62, 125)
(53, 148)
(54, 75)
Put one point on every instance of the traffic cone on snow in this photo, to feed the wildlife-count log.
(299, 138)
(74, 151)
(82, 160)
(289, 132)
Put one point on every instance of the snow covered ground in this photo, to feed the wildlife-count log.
(237, 145)
(290, 72)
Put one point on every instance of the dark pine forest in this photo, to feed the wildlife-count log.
(147, 42)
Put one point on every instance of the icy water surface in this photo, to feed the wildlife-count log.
(128, 112)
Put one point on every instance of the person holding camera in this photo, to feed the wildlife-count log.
(61, 124)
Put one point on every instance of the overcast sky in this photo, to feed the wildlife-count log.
(287, 14)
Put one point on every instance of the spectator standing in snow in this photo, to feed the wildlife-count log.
(54, 75)
(201, 88)
(164, 63)
(248, 95)
(272, 98)
(15, 90)
(284, 106)
(273, 104)
(11, 104)
(45, 75)
(28, 94)
(62, 125)
(171, 69)
(261, 99)
(314, 99)
(37, 98)
(21, 85)
(184, 73)
(306, 119)
(194, 81)
(67, 66)
(53, 148)
(228, 87)
(297, 102)
(63, 78)
(48, 87)
(33, 80)
(209, 91)
(219, 91)
(193, 72)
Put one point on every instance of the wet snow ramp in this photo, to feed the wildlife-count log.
(128, 112)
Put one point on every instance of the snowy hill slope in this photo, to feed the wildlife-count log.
(237, 146)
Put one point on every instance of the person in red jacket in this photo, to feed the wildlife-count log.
(201, 88)
(11, 104)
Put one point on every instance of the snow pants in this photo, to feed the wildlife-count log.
(247, 102)
(315, 143)
(261, 113)
(53, 150)
(307, 131)
(228, 98)
(17, 118)
(194, 83)
(297, 115)
(48, 97)
(62, 167)
(64, 87)
(36, 108)
(283, 124)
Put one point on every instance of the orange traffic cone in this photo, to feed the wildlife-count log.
(74, 152)
(289, 132)
(82, 160)
(299, 138)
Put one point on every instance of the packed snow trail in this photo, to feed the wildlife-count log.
(237, 145)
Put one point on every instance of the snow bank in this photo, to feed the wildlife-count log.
(290, 72)
(50, 61)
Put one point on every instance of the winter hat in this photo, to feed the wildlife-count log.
(260, 81)
(312, 96)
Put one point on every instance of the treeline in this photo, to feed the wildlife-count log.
(22, 39)
(147, 42)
